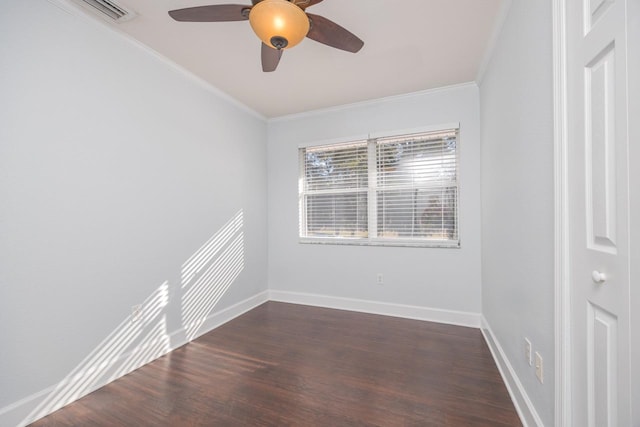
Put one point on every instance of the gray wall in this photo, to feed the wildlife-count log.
(447, 279)
(516, 104)
(115, 168)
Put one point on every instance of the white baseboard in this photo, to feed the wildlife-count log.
(28, 409)
(527, 412)
(452, 317)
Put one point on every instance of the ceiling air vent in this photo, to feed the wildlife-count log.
(109, 9)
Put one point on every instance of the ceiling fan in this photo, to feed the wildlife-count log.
(280, 24)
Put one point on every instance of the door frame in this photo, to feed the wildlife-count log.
(562, 284)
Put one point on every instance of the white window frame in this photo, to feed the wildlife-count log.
(372, 239)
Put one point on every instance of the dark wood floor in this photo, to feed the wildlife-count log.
(291, 365)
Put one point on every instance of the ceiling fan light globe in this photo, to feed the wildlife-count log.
(279, 20)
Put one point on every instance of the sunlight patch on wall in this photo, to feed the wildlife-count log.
(208, 274)
(140, 339)
(155, 344)
(114, 356)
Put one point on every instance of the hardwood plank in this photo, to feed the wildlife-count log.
(291, 365)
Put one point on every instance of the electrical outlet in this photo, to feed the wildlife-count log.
(539, 368)
(136, 313)
(527, 351)
(380, 279)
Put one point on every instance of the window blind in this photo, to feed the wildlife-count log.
(395, 190)
(417, 187)
(334, 191)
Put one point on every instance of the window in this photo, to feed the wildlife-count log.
(400, 190)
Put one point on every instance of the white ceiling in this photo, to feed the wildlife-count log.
(410, 45)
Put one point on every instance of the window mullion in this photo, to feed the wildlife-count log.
(372, 196)
(302, 191)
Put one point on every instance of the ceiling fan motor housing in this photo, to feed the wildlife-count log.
(279, 42)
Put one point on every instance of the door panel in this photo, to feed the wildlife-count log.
(596, 9)
(601, 152)
(602, 360)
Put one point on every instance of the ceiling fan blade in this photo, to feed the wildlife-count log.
(328, 32)
(306, 3)
(212, 13)
(270, 58)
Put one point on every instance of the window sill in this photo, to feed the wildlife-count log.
(444, 244)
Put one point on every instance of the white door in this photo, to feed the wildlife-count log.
(598, 204)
